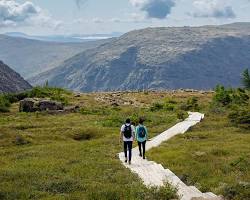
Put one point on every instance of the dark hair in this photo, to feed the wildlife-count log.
(128, 121)
(141, 120)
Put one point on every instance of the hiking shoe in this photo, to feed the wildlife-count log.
(144, 157)
(126, 160)
(140, 155)
(129, 162)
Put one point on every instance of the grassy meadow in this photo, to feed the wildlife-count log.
(74, 156)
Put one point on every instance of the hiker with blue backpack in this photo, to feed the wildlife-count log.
(127, 135)
(141, 137)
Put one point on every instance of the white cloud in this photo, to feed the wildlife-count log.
(25, 14)
(98, 20)
(213, 9)
(159, 9)
(116, 20)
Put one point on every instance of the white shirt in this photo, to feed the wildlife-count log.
(133, 133)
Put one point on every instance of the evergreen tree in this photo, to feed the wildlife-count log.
(246, 79)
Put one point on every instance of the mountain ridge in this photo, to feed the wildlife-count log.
(10, 81)
(159, 58)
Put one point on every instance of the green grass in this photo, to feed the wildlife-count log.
(73, 156)
(213, 156)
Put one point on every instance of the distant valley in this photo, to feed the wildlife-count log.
(30, 57)
(74, 38)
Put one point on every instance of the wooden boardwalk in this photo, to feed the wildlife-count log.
(154, 174)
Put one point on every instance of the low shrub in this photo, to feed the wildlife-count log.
(86, 134)
(190, 105)
(240, 116)
(166, 192)
(222, 95)
(239, 97)
(4, 104)
(226, 97)
(156, 106)
(168, 105)
(237, 191)
(56, 94)
(181, 114)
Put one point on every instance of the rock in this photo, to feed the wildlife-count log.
(50, 105)
(71, 109)
(20, 141)
(33, 105)
(28, 105)
(77, 95)
(115, 104)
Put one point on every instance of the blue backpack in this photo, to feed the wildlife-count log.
(141, 132)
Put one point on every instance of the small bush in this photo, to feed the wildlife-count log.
(170, 105)
(246, 79)
(86, 134)
(222, 95)
(165, 192)
(226, 97)
(156, 106)
(239, 97)
(181, 114)
(24, 126)
(190, 105)
(240, 116)
(237, 191)
(55, 94)
(4, 104)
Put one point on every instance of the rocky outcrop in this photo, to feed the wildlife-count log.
(52, 107)
(159, 58)
(10, 81)
(33, 105)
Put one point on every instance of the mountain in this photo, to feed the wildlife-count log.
(31, 57)
(10, 81)
(159, 58)
(74, 38)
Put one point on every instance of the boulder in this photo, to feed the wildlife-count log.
(77, 95)
(71, 109)
(28, 105)
(49, 105)
(33, 105)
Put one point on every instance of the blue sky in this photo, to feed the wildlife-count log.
(44, 17)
